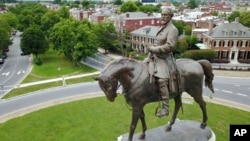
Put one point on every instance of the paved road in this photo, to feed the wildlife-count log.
(15, 68)
(27, 103)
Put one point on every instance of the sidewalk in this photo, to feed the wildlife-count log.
(56, 79)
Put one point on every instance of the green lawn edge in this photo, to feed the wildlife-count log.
(97, 119)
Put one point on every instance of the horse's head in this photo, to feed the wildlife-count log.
(108, 84)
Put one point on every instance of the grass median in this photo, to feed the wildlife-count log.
(54, 66)
(96, 119)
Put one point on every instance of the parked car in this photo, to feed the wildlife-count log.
(1, 60)
(24, 53)
(4, 55)
(14, 32)
(6, 49)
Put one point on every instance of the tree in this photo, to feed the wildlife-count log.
(181, 47)
(75, 39)
(117, 2)
(192, 40)
(245, 18)
(87, 44)
(63, 38)
(192, 4)
(4, 39)
(188, 30)
(148, 8)
(106, 34)
(26, 19)
(180, 26)
(64, 12)
(33, 41)
(49, 19)
(10, 18)
(128, 6)
(233, 15)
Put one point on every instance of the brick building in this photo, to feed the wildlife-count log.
(231, 41)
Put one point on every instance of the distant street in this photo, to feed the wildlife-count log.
(15, 68)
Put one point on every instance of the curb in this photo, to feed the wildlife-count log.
(40, 106)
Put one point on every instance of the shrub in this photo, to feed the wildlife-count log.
(199, 54)
(38, 62)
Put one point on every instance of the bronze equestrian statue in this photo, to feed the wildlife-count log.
(139, 88)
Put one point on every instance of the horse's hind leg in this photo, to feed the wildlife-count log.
(199, 99)
(144, 126)
(177, 106)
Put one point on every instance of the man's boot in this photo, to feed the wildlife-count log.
(163, 85)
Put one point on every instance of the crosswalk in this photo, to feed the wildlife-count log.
(8, 73)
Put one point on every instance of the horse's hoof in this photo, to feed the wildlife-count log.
(203, 125)
(168, 128)
(142, 136)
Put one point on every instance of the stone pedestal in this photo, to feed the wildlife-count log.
(182, 130)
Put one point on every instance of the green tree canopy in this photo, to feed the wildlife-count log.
(128, 6)
(49, 19)
(192, 4)
(233, 15)
(4, 39)
(33, 41)
(149, 8)
(10, 18)
(74, 39)
(64, 12)
(106, 34)
(179, 25)
(245, 18)
(117, 2)
(188, 30)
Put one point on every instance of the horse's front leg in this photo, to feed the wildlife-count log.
(177, 106)
(144, 126)
(136, 114)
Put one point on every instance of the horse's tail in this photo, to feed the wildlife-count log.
(208, 71)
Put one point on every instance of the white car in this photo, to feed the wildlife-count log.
(1, 60)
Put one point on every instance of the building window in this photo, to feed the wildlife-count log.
(140, 22)
(224, 54)
(153, 21)
(248, 55)
(229, 43)
(241, 54)
(216, 54)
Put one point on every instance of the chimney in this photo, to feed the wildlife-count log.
(149, 14)
(127, 15)
(210, 27)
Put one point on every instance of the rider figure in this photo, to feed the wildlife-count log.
(162, 56)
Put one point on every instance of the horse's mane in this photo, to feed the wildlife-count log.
(118, 63)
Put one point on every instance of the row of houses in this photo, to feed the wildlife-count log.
(231, 41)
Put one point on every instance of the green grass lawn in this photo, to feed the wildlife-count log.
(96, 119)
(55, 66)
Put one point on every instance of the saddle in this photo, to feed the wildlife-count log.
(174, 77)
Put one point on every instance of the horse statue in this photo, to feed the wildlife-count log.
(138, 90)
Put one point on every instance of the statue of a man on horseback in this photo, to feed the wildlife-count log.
(161, 62)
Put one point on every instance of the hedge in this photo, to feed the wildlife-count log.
(207, 54)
